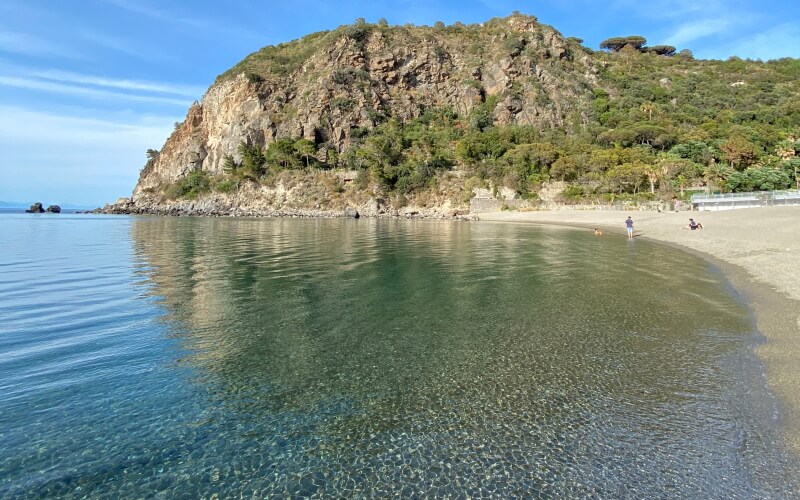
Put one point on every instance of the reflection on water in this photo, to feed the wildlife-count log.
(376, 358)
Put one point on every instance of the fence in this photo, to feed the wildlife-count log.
(730, 201)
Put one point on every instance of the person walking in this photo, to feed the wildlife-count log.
(629, 227)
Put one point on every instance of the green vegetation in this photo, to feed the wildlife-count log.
(655, 124)
(191, 186)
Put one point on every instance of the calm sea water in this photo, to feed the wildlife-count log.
(193, 357)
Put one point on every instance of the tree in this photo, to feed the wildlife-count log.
(758, 179)
(654, 173)
(653, 135)
(306, 150)
(647, 108)
(282, 152)
(636, 42)
(739, 151)
(529, 163)
(661, 50)
(152, 154)
(229, 165)
(696, 151)
(253, 159)
(680, 170)
(716, 174)
(616, 44)
(618, 137)
(627, 175)
(564, 168)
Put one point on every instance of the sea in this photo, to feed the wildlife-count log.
(223, 357)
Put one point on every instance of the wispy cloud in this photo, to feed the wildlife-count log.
(688, 32)
(31, 125)
(190, 91)
(28, 45)
(122, 46)
(216, 26)
(86, 92)
(766, 45)
(670, 9)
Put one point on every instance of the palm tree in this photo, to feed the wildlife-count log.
(715, 174)
(648, 108)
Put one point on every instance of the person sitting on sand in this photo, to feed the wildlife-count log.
(598, 232)
(694, 225)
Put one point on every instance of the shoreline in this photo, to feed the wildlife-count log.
(347, 213)
(756, 249)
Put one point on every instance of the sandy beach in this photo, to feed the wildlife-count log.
(758, 251)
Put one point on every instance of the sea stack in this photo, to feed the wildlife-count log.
(36, 208)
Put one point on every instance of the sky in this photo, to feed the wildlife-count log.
(87, 86)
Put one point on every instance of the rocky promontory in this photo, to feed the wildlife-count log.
(397, 121)
(337, 86)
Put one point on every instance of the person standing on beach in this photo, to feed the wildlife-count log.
(629, 226)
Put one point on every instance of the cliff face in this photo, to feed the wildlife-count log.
(332, 84)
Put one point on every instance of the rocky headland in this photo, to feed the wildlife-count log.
(408, 121)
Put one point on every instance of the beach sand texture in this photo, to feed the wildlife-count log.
(759, 251)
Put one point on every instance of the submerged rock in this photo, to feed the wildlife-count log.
(36, 208)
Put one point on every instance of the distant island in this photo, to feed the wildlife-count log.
(442, 120)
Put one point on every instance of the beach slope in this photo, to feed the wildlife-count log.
(757, 248)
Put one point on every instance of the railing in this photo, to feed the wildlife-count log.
(728, 201)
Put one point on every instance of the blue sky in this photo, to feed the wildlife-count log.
(86, 86)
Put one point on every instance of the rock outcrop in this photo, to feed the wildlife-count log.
(54, 209)
(328, 86)
(36, 208)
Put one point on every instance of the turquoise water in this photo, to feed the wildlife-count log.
(260, 357)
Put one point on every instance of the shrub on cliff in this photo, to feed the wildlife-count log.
(191, 186)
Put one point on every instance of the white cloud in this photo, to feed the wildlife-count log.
(777, 42)
(660, 9)
(190, 91)
(29, 126)
(28, 45)
(201, 25)
(123, 46)
(688, 32)
(87, 92)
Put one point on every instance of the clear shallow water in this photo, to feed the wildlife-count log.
(369, 358)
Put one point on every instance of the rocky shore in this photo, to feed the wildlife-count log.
(211, 207)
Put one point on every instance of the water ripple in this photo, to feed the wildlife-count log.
(298, 358)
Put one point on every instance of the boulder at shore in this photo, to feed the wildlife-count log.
(36, 208)
(54, 209)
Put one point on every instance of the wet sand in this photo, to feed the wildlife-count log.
(759, 251)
